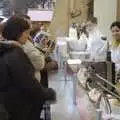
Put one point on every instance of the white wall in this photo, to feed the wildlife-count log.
(106, 12)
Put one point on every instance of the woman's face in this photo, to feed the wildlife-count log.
(24, 37)
(45, 41)
(115, 33)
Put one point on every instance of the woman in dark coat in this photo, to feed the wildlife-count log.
(20, 92)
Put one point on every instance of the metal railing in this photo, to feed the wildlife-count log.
(105, 93)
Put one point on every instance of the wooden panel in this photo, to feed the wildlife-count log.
(118, 9)
(72, 5)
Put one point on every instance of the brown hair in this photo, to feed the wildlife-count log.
(14, 27)
(93, 20)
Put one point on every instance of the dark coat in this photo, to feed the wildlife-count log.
(18, 85)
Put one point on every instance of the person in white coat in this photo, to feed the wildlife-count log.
(73, 32)
(115, 55)
(115, 47)
(95, 43)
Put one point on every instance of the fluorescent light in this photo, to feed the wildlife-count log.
(37, 15)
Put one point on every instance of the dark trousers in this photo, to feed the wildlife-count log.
(44, 78)
(24, 111)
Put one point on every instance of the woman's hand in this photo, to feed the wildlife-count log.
(47, 51)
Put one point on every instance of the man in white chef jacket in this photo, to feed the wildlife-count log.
(95, 44)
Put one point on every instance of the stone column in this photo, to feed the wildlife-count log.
(62, 15)
(80, 5)
(118, 9)
(60, 23)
